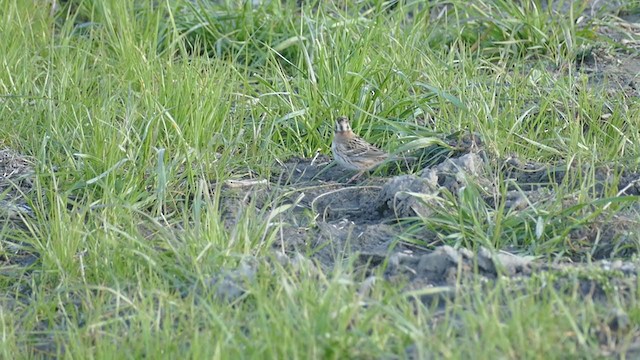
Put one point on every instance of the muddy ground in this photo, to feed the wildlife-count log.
(377, 224)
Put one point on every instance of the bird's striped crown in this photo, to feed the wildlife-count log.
(342, 125)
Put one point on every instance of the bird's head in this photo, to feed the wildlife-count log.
(342, 125)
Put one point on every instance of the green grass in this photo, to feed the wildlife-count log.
(136, 112)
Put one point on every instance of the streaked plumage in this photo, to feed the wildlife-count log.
(353, 152)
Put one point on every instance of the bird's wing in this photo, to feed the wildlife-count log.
(359, 147)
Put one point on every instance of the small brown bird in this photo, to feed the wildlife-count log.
(353, 152)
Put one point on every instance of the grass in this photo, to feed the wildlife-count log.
(135, 113)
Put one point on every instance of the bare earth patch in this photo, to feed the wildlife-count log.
(16, 183)
(332, 222)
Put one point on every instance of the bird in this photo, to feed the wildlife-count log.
(354, 153)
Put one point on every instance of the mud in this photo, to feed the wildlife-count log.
(365, 224)
(332, 222)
